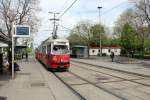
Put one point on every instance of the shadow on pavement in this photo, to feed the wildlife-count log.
(5, 77)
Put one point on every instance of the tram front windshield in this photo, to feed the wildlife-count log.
(60, 49)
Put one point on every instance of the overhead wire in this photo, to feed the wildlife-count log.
(102, 13)
(114, 8)
(74, 3)
(62, 8)
(94, 11)
(68, 8)
(65, 27)
(68, 28)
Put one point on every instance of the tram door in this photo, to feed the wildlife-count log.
(49, 54)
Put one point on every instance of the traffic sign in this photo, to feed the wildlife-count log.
(22, 31)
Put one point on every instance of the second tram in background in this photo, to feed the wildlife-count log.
(54, 53)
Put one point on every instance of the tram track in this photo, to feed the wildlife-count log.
(73, 90)
(125, 79)
(99, 66)
(96, 85)
(87, 82)
(67, 85)
(79, 94)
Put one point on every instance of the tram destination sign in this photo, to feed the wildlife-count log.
(22, 31)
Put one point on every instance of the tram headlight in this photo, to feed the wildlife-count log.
(54, 58)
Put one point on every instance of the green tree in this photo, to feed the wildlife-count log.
(81, 33)
(126, 17)
(114, 42)
(75, 39)
(138, 19)
(86, 33)
(147, 46)
(98, 31)
(127, 39)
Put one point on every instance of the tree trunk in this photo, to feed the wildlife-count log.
(88, 51)
(142, 47)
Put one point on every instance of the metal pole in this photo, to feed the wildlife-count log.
(12, 32)
(54, 30)
(54, 27)
(100, 41)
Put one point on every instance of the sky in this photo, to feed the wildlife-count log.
(82, 10)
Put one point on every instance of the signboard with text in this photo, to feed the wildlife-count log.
(22, 31)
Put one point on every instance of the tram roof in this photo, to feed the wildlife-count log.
(50, 40)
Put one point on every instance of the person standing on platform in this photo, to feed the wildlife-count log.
(112, 56)
(26, 56)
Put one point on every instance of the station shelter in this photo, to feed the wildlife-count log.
(79, 51)
(4, 41)
(20, 51)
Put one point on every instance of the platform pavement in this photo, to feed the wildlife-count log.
(33, 82)
(140, 67)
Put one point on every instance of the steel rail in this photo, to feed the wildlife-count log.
(73, 90)
(131, 80)
(99, 87)
(99, 66)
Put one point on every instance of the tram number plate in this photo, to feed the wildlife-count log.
(61, 66)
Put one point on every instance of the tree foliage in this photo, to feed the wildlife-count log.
(19, 12)
(86, 33)
(127, 38)
(75, 39)
(139, 19)
(98, 31)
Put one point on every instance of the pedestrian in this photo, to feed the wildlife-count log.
(16, 66)
(6, 66)
(112, 56)
(26, 56)
(132, 54)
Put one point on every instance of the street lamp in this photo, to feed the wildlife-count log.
(100, 39)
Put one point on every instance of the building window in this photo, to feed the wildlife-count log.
(93, 51)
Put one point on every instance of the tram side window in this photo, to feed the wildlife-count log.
(49, 49)
(44, 49)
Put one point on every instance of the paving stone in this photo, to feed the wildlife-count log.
(92, 93)
(144, 81)
(145, 89)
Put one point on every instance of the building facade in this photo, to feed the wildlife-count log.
(94, 51)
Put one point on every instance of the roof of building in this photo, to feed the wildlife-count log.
(107, 47)
(3, 44)
(79, 46)
(4, 38)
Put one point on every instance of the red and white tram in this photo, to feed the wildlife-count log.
(54, 54)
